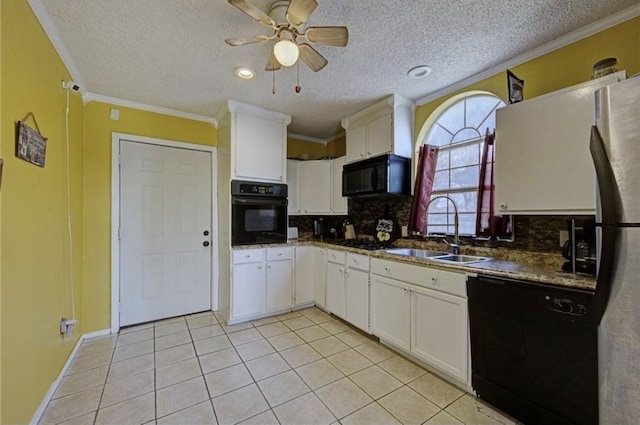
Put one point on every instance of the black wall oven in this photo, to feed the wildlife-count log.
(258, 212)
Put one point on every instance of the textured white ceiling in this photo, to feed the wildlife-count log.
(171, 53)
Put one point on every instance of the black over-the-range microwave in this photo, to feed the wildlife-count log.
(384, 174)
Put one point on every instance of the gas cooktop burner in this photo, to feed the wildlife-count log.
(360, 244)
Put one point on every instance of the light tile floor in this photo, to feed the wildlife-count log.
(303, 367)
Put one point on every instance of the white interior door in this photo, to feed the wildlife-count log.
(165, 232)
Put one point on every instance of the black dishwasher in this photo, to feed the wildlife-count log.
(534, 350)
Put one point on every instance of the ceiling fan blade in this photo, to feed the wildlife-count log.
(254, 12)
(299, 11)
(272, 62)
(312, 58)
(241, 41)
(329, 36)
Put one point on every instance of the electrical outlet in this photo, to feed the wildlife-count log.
(66, 326)
(564, 236)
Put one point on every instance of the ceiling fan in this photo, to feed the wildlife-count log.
(286, 18)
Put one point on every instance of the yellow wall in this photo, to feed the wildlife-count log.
(567, 66)
(303, 149)
(337, 147)
(97, 190)
(34, 268)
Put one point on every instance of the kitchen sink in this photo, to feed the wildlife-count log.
(460, 259)
(436, 255)
(411, 252)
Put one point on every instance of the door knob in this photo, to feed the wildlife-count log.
(206, 233)
(205, 243)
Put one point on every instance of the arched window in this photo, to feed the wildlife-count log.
(458, 128)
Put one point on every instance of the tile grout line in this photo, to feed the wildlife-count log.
(155, 378)
(206, 385)
(104, 387)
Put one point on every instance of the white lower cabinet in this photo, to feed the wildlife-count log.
(261, 282)
(439, 330)
(247, 290)
(390, 312)
(305, 276)
(335, 289)
(320, 273)
(279, 285)
(424, 312)
(357, 291)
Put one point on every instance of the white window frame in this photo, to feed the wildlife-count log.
(479, 141)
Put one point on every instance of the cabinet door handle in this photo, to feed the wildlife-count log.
(503, 206)
(279, 254)
(361, 154)
(259, 267)
(247, 256)
(269, 266)
(368, 153)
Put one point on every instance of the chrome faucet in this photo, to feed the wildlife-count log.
(455, 246)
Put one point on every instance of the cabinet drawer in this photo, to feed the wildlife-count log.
(444, 281)
(336, 256)
(284, 253)
(439, 280)
(407, 273)
(357, 261)
(241, 256)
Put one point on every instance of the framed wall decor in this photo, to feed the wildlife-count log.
(30, 143)
(516, 88)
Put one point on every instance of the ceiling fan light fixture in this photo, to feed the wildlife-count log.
(286, 52)
(419, 71)
(244, 72)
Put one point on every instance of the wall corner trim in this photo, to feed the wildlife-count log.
(93, 97)
(54, 386)
(49, 28)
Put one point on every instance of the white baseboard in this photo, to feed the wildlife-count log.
(54, 386)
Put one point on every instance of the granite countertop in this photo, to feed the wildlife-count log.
(514, 264)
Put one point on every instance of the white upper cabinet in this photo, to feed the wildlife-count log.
(543, 164)
(338, 202)
(316, 187)
(385, 127)
(258, 143)
(357, 143)
(294, 175)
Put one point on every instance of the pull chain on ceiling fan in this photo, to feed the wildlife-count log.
(287, 30)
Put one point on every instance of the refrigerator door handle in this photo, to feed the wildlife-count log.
(607, 190)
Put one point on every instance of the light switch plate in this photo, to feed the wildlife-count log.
(114, 114)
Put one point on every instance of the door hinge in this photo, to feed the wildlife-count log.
(119, 233)
(119, 160)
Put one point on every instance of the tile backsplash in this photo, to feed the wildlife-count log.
(531, 233)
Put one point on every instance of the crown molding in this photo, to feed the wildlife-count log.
(54, 36)
(93, 97)
(336, 137)
(307, 138)
(565, 40)
(392, 101)
(235, 106)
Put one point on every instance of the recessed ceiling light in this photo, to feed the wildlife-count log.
(244, 72)
(419, 71)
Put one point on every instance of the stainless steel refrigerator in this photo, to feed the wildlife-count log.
(615, 147)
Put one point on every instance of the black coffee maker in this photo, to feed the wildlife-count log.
(580, 249)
